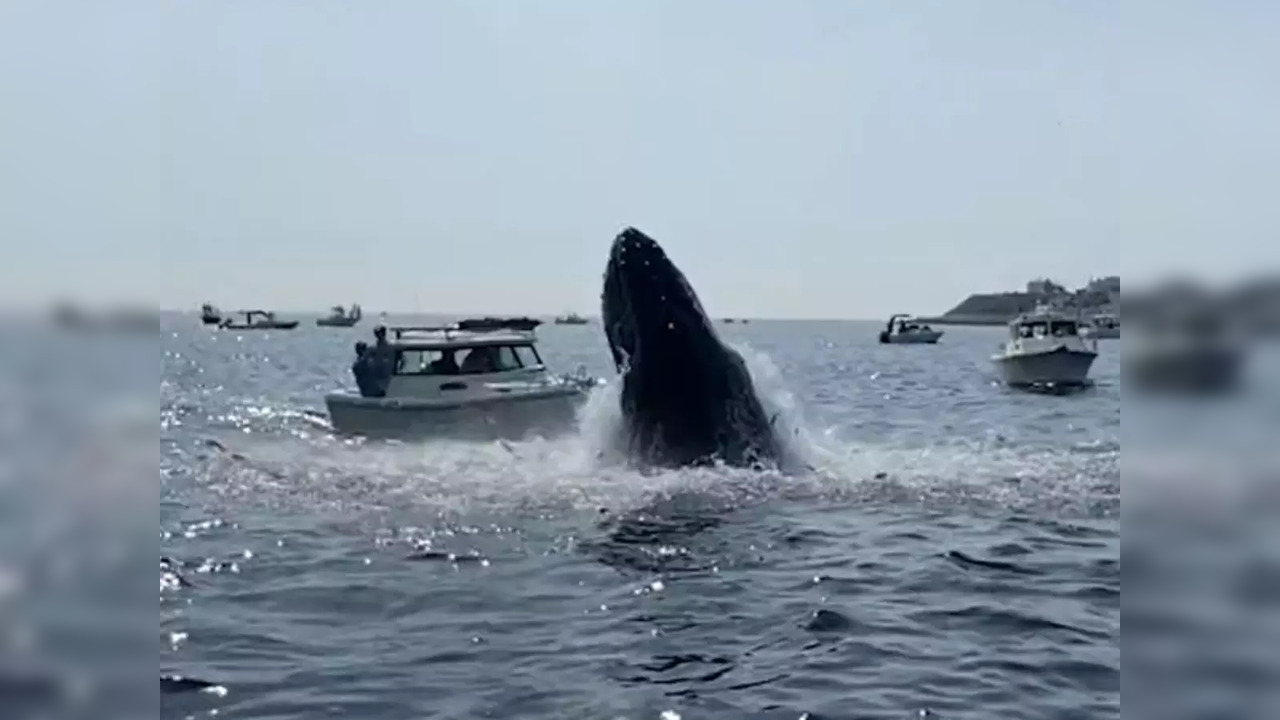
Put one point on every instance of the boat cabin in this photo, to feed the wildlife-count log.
(1106, 320)
(1044, 326)
(251, 316)
(901, 323)
(907, 326)
(461, 361)
(1045, 329)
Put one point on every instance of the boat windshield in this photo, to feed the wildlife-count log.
(466, 361)
(1043, 328)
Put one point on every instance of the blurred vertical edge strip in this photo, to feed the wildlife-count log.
(78, 462)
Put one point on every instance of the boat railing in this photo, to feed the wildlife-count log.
(450, 332)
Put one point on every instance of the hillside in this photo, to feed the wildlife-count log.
(1000, 308)
(991, 308)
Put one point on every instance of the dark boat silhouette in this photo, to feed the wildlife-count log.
(338, 317)
(571, 319)
(258, 320)
(209, 315)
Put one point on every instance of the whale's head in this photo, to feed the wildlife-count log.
(686, 397)
(648, 307)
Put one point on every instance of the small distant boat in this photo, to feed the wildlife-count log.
(258, 320)
(1045, 350)
(210, 315)
(1104, 326)
(339, 317)
(571, 319)
(900, 330)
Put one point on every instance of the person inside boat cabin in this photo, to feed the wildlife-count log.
(446, 364)
(480, 360)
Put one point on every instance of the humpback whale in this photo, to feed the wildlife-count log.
(687, 398)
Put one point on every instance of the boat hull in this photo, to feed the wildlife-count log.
(1062, 367)
(337, 322)
(546, 412)
(261, 326)
(930, 337)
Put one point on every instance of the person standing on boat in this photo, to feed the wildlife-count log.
(384, 359)
(364, 371)
(374, 366)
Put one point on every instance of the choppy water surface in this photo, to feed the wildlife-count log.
(956, 555)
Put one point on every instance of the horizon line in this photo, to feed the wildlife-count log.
(371, 315)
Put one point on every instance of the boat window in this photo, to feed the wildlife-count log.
(490, 359)
(423, 362)
(528, 356)
(507, 359)
(414, 362)
(1064, 328)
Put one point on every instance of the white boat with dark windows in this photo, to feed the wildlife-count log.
(1103, 326)
(902, 330)
(475, 379)
(341, 317)
(1045, 350)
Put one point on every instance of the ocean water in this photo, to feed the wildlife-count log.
(955, 554)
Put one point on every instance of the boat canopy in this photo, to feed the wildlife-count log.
(482, 332)
(523, 326)
(899, 318)
(903, 321)
(1044, 324)
(466, 358)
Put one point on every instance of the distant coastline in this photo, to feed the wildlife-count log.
(1099, 296)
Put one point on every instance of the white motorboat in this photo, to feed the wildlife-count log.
(1045, 349)
(1185, 348)
(476, 379)
(1103, 326)
(901, 330)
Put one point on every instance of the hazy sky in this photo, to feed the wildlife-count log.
(797, 158)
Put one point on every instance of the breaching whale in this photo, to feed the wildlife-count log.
(687, 398)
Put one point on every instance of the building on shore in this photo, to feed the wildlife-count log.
(1100, 295)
